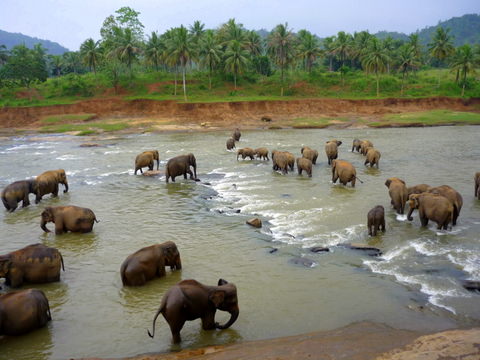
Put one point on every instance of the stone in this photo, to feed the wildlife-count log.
(317, 249)
(274, 250)
(153, 173)
(89, 145)
(370, 250)
(471, 285)
(255, 222)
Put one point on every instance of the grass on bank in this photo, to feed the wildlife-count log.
(85, 129)
(429, 118)
(54, 119)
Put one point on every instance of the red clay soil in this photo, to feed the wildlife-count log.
(227, 113)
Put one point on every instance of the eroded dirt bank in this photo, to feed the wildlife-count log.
(225, 113)
(360, 341)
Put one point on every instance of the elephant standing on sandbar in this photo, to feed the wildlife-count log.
(16, 192)
(344, 171)
(23, 311)
(149, 262)
(189, 300)
(68, 218)
(431, 207)
(146, 159)
(331, 149)
(48, 182)
(34, 264)
(180, 165)
(398, 193)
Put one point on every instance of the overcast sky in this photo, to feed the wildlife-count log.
(70, 22)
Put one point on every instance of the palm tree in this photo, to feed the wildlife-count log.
(197, 31)
(3, 55)
(414, 43)
(308, 49)
(441, 46)
(375, 59)
(91, 54)
(408, 61)
(388, 44)
(465, 61)
(328, 45)
(210, 53)
(57, 64)
(125, 47)
(236, 59)
(359, 44)
(154, 50)
(281, 46)
(231, 30)
(181, 50)
(253, 43)
(342, 48)
(72, 61)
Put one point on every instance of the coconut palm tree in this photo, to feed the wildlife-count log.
(408, 61)
(281, 46)
(56, 62)
(3, 54)
(308, 49)
(253, 43)
(359, 44)
(414, 43)
(441, 46)
(125, 47)
(231, 30)
(210, 53)
(328, 45)
(375, 59)
(154, 50)
(236, 59)
(181, 50)
(197, 30)
(91, 54)
(465, 61)
(342, 48)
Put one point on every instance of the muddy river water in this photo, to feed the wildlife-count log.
(415, 284)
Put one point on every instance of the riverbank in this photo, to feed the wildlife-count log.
(359, 341)
(115, 114)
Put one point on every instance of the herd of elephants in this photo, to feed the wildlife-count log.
(25, 310)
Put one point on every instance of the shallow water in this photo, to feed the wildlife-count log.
(415, 284)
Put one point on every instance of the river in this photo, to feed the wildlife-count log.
(415, 284)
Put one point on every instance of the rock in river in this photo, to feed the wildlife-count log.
(255, 222)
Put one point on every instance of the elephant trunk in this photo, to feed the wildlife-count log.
(233, 317)
(178, 264)
(66, 186)
(43, 224)
(158, 163)
(409, 216)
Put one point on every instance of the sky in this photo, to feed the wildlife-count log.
(70, 22)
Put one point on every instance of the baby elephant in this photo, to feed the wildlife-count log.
(68, 218)
(230, 144)
(376, 220)
(246, 152)
(262, 153)
(16, 192)
(33, 264)
(304, 164)
(190, 300)
(149, 262)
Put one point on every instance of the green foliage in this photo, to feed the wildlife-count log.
(25, 66)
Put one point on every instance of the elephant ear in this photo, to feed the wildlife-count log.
(217, 297)
(388, 182)
(4, 266)
(222, 282)
(403, 182)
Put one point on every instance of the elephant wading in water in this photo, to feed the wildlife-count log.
(180, 165)
(304, 164)
(146, 159)
(23, 311)
(376, 220)
(344, 171)
(398, 193)
(230, 144)
(16, 192)
(309, 154)
(418, 189)
(280, 161)
(246, 152)
(364, 145)
(331, 149)
(33, 264)
(356, 145)
(431, 207)
(48, 181)
(149, 262)
(236, 134)
(262, 153)
(189, 300)
(477, 185)
(68, 218)
(453, 196)
(373, 157)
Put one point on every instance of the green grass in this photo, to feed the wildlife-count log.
(305, 123)
(84, 129)
(433, 117)
(53, 119)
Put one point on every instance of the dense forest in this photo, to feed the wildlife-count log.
(125, 56)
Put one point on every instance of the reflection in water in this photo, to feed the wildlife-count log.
(414, 284)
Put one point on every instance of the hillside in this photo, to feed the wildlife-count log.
(11, 39)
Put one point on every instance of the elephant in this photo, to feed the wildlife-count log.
(48, 181)
(16, 192)
(246, 152)
(23, 311)
(453, 196)
(356, 145)
(262, 153)
(376, 220)
(477, 185)
(398, 193)
(418, 189)
(236, 134)
(68, 218)
(149, 262)
(146, 159)
(431, 207)
(344, 171)
(304, 164)
(190, 300)
(230, 144)
(33, 264)
(180, 165)
(373, 157)
(364, 145)
(310, 154)
(290, 160)
(280, 161)
(331, 149)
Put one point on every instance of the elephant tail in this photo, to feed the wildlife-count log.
(162, 307)
(5, 202)
(361, 182)
(95, 219)
(61, 259)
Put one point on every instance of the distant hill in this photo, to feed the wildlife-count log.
(11, 39)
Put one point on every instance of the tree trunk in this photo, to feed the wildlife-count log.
(378, 85)
(184, 84)
(175, 92)
(281, 90)
(235, 80)
(210, 78)
(330, 66)
(403, 80)
(464, 81)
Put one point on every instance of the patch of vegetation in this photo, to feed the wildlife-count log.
(53, 119)
(433, 117)
(84, 129)
(313, 123)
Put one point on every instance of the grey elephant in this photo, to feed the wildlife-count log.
(376, 220)
(48, 182)
(356, 145)
(331, 149)
(280, 161)
(310, 154)
(180, 165)
(146, 159)
(304, 164)
(246, 152)
(230, 144)
(16, 192)
(236, 134)
(262, 153)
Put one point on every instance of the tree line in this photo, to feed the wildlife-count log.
(233, 50)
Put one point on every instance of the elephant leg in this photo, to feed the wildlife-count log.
(353, 181)
(175, 322)
(208, 322)
(26, 200)
(12, 205)
(38, 198)
(382, 225)
(365, 163)
(191, 174)
(424, 221)
(334, 178)
(454, 215)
